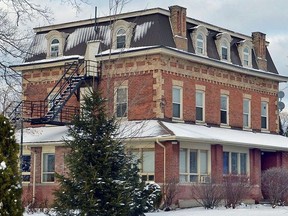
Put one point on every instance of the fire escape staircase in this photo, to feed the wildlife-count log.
(53, 109)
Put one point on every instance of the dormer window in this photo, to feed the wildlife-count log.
(199, 40)
(200, 44)
(121, 34)
(222, 42)
(121, 38)
(54, 49)
(245, 54)
(55, 43)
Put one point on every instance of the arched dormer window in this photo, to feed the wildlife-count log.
(199, 40)
(121, 38)
(122, 32)
(54, 48)
(222, 42)
(245, 53)
(55, 43)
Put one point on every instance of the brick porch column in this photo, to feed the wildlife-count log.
(255, 174)
(217, 163)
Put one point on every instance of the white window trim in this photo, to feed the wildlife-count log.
(204, 32)
(128, 27)
(226, 94)
(61, 37)
(198, 148)
(233, 149)
(203, 106)
(27, 153)
(47, 150)
(249, 113)
(181, 102)
(220, 39)
(241, 46)
(264, 100)
(123, 86)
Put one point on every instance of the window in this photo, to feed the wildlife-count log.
(146, 164)
(54, 48)
(48, 167)
(26, 168)
(246, 113)
(121, 102)
(200, 106)
(224, 109)
(193, 165)
(224, 51)
(176, 101)
(234, 163)
(200, 44)
(264, 115)
(121, 38)
(246, 57)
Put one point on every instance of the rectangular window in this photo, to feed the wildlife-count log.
(48, 167)
(121, 102)
(246, 113)
(224, 52)
(264, 115)
(200, 106)
(26, 168)
(176, 101)
(146, 164)
(224, 109)
(234, 163)
(193, 165)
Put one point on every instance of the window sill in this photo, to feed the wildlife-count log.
(201, 123)
(179, 120)
(247, 129)
(225, 126)
(265, 131)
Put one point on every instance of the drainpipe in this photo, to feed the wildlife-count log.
(34, 175)
(164, 158)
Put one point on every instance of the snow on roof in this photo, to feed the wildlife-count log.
(123, 50)
(153, 129)
(39, 45)
(141, 30)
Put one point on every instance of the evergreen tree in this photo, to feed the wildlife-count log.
(102, 179)
(10, 189)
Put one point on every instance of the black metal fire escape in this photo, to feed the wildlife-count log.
(54, 109)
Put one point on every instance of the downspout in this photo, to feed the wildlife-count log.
(34, 175)
(164, 158)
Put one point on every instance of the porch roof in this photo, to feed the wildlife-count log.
(164, 131)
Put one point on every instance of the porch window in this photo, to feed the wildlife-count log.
(234, 163)
(26, 168)
(48, 167)
(193, 165)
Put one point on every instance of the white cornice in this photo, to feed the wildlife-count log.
(195, 58)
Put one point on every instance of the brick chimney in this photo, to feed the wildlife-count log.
(178, 24)
(259, 43)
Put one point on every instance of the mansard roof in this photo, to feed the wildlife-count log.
(152, 28)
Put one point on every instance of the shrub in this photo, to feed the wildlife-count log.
(235, 189)
(152, 195)
(275, 185)
(170, 191)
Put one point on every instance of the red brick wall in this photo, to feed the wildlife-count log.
(217, 163)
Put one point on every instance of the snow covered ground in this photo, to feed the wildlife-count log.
(250, 210)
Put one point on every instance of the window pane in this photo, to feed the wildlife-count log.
(193, 161)
(263, 109)
(224, 51)
(243, 163)
(148, 161)
(245, 120)
(183, 178)
(193, 178)
(234, 163)
(223, 102)
(225, 162)
(246, 106)
(263, 122)
(121, 110)
(199, 99)
(203, 162)
(176, 110)
(26, 178)
(199, 114)
(223, 117)
(49, 163)
(48, 177)
(183, 160)
(26, 163)
(176, 95)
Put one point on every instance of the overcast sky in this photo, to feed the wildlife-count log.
(243, 16)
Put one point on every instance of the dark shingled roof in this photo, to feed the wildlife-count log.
(158, 33)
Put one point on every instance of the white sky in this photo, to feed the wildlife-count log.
(243, 16)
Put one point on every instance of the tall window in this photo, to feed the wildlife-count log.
(264, 115)
(176, 101)
(146, 164)
(224, 109)
(200, 106)
(200, 44)
(193, 165)
(54, 49)
(246, 56)
(121, 38)
(48, 167)
(246, 113)
(26, 168)
(224, 51)
(234, 163)
(121, 102)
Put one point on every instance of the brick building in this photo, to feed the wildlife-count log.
(195, 101)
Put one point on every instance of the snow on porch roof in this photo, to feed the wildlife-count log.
(152, 130)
